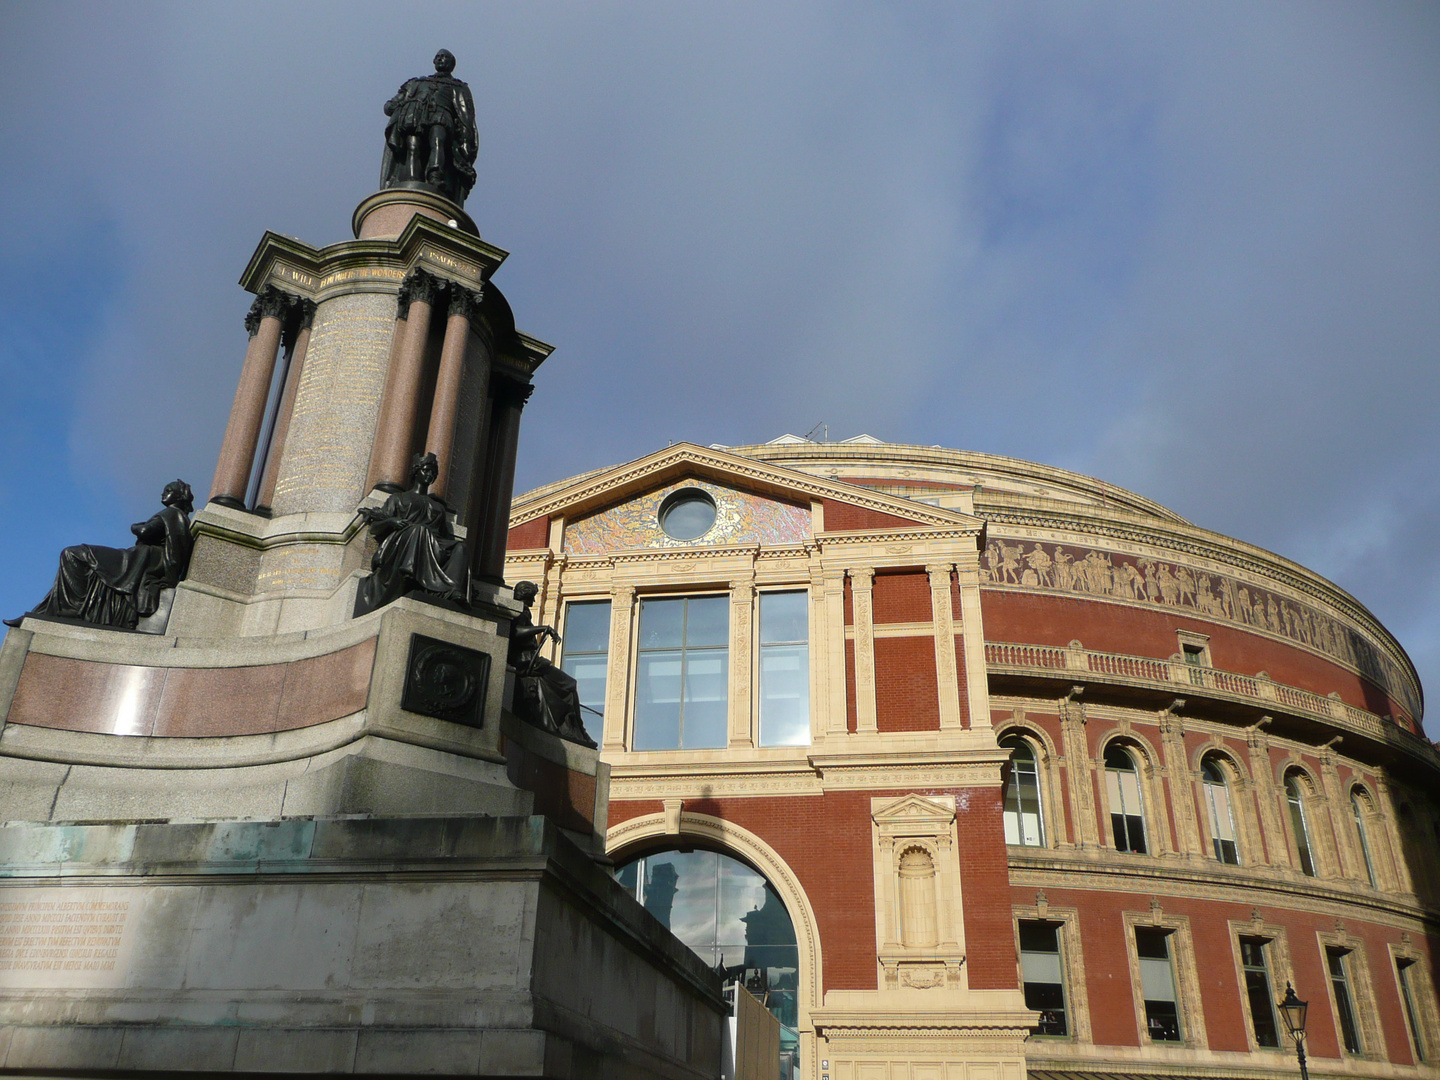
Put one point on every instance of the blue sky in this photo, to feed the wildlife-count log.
(1191, 249)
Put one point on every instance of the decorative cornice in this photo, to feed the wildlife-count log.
(611, 484)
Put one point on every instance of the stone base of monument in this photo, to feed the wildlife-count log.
(402, 946)
(323, 852)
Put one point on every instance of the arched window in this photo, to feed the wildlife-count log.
(918, 928)
(1222, 817)
(1127, 813)
(1298, 824)
(1023, 822)
(1358, 809)
(732, 918)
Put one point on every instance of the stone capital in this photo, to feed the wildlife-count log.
(270, 303)
(418, 286)
(464, 302)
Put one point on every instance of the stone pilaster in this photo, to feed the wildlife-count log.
(943, 617)
(1081, 784)
(836, 722)
(862, 583)
(819, 655)
(742, 632)
(1338, 822)
(1267, 800)
(972, 633)
(1183, 782)
(617, 671)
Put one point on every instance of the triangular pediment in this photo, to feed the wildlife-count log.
(915, 810)
(851, 507)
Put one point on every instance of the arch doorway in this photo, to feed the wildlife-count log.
(732, 918)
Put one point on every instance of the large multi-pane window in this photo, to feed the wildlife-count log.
(1022, 795)
(1258, 992)
(682, 673)
(1338, 961)
(785, 669)
(1041, 972)
(1157, 984)
(1217, 805)
(585, 653)
(1359, 811)
(1405, 975)
(1127, 815)
(731, 917)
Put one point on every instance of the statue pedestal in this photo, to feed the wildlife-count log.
(478, 947)
(384, 215)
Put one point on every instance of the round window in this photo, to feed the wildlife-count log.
(687, 514)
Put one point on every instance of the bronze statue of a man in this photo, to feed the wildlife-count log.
(431, 140)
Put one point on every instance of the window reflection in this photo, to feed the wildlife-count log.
(731, 917)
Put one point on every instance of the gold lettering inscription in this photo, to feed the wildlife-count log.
(368, 273)
(61, 935)
(439, 258)
(289, 273)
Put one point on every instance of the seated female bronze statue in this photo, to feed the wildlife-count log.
(418, 549)
(120, 586)
(544, 695)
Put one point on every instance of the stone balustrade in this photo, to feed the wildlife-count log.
(1075, 661)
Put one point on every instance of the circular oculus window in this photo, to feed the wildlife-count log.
(687, 514)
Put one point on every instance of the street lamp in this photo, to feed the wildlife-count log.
(1293, 1010)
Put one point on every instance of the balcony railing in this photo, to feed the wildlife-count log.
(1048, 660)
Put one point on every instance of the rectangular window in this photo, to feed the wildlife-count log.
(1407, 998)
(682, 676)
(1157, 984)
(584, 657)
(1127, 823)
(1257, 990)
(1040, 969)
(785, 669)
(1338, 962)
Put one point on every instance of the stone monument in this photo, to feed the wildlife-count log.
(266, 805)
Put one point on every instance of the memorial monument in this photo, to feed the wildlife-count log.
(268, 805)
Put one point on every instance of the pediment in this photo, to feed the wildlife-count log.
(764, 487)
(914, 810)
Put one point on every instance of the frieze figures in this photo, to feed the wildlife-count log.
(117, 587)
(418, 550)
(431, 140)
(544, 695)
(1103, 573)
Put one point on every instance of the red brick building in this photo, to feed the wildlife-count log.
(975, 766)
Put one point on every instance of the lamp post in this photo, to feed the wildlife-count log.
(1293, 1010)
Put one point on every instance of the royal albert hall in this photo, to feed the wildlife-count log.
(976, 768)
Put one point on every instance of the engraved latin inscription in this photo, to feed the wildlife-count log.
(62, 936)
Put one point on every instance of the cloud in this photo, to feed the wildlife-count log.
(1191, 250)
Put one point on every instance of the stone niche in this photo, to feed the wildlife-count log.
(438, 945)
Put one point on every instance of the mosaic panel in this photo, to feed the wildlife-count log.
(1068, 568)
(739, 518)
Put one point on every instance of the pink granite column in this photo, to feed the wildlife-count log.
(395, 428)
(464, 304)
(286, 409)
(247, 415)
(489, 523)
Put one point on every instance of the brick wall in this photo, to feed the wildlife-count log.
(906, 695)
(533, 534)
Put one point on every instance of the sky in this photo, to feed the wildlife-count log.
(1192, 249)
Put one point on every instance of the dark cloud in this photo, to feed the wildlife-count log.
(1192, 250)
